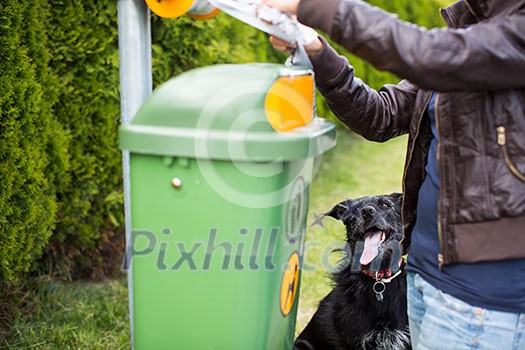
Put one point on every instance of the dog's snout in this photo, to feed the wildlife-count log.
(368, 211)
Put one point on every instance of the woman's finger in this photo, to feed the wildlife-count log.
(283, 48)
(280, 42)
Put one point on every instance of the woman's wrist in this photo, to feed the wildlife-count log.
(314, 47)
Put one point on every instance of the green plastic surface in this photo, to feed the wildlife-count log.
(232, 299)
(217, 112)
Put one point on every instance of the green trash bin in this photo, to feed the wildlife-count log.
(221, 161)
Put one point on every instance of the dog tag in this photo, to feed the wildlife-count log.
(378, 288)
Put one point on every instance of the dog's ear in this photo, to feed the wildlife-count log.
(338, 212)
(397, 197)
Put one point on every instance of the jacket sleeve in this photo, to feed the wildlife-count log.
(376, 115)
(489, 55)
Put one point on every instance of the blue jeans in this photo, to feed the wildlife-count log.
(440, 321)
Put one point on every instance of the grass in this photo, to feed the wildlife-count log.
(79, 315)
(88, 315)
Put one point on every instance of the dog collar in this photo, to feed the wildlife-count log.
(388, 279)
(384, 275)
(382, 278)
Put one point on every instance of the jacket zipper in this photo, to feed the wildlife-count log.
(440, 256)
(409, 159)
(502, 142)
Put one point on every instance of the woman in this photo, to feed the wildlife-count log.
(462, 102)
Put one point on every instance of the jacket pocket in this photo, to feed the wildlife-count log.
(502, 142)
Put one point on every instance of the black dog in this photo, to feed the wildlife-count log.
(367, 309)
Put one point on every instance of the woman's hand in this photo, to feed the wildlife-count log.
(311, 49)
(289, 6)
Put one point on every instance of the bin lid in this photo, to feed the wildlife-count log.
(251, 112)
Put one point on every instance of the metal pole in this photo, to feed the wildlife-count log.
(134, 30)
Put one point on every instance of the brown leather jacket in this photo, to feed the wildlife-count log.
(479, 75)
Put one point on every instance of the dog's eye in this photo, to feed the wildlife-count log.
(385, 205)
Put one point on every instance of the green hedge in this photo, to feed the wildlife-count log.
(60, 192)
(82, 42)
(33, 143)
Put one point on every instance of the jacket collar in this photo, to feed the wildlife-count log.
(466, 12)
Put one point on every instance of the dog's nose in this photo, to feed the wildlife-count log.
(368, 211)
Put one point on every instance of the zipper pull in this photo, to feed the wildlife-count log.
(502, 140)
(440, 261)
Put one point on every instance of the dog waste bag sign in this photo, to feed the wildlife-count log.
(289, 284)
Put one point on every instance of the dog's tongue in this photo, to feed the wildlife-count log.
(370, 250)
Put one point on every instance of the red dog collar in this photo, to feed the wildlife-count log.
(382, 274)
